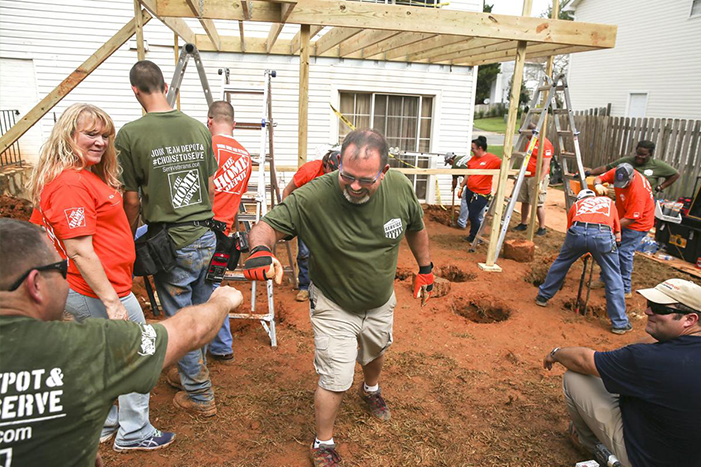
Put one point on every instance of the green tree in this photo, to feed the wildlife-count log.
(486, 74)
(524, 97)
(564, 15)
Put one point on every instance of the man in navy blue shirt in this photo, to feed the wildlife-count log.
(642, 401)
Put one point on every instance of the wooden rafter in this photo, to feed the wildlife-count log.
(406, 18)
(363, 40)
(243, 40)
(207, 24)
(425, 48)
(177, 25)
(477, 47)
(388, 48)
(276, 28)
(296, 40)
(334, 37)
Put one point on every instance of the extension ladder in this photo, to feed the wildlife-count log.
(551, 88)
(254, 202)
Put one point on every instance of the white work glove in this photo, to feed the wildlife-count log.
(601, 189)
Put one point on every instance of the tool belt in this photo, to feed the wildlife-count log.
(155, 250)
(589, 225)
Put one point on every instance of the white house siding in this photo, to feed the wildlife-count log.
(57, 38)
(657, 51)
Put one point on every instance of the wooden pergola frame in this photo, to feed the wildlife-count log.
(359, 30)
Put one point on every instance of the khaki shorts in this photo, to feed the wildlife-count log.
(525, 195)
(342, 337)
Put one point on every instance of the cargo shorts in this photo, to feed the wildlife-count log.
(342, 337)
(525, 194)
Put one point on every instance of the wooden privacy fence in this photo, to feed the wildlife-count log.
(603, 139)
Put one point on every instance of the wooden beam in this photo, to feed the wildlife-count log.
(207, 24)
(243, 41)
(254, 45)
(295, 44)
(481, 47)
(425, 49)
(275, 28)
(303, 117)
(406, 18)
(364, 39)
(73, 80)
(140, 49)
(508, 144)
(534, 51)
(177, 25)
(246, 10)
(385, 48)
(334, 37)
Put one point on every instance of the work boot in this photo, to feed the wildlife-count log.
(226, 359)
(183, 400)
(541, 231)
(325, 456)
(302, 296)
(375, 404)
(541, 301)
(628, 327)
(173, 378)
(520, 227)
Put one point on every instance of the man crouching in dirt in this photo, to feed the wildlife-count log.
(352, 221)
(641, 401)
(60, 379)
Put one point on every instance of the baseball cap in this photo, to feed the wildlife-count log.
(449, 156)
(585, 193)
(332, 160)
(624, 174)
(674, 291)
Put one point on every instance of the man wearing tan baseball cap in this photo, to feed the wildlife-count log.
(641, 401)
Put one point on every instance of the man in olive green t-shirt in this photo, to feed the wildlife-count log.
(352, 221)
(167, 157)
(58, 380)
(642, 161)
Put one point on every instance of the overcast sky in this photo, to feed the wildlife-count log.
(514, 7)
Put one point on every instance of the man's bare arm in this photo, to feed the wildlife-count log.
(292, 186)
(194, 326)
(578, 359)
(263, 234)
(132, 207)
(418, 242)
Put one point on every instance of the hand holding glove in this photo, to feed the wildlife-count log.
(423, 283)
(600, 189)
(460, 191)
(262, 265)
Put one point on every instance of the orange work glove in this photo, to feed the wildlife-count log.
(423, 284)
(262, 265)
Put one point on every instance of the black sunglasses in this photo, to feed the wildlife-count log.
(61, 266)
(660, 309)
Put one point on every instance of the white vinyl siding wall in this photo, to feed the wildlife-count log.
(58, 37)
(657, 51)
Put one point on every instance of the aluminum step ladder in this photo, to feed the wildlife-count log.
(254, 203)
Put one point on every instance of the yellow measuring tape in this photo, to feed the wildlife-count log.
(350, 125)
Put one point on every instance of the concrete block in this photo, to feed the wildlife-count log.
(519, 250)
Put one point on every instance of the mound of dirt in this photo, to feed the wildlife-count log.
(455, 274)
(15, 208)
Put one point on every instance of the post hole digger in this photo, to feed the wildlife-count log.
(581, 307)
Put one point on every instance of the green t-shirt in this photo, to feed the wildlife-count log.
(460, 163)
(353, 247)
(653, 170)
(58, 381)
(168, 155)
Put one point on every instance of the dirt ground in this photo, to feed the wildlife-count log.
(464, 378)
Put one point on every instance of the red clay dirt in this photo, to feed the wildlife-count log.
(464, 377)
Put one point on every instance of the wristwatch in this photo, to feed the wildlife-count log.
(554, 351)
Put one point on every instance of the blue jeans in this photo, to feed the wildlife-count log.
(183, 286)
(475, 206)
(630, 239)
(223, 342)
(462, 219)
(303, 265)
(602, 246)
(131, 419)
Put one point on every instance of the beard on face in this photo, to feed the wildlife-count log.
(355, 200)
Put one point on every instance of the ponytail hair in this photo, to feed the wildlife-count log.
(480, 142)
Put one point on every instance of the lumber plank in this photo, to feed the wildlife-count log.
(431, 43)
(140, 49)
(295, 44)
(207, 24)
(363, 40)
(177, 25)
(334, 37)
(303, 116)
(388, 48)
(276, 28)
(73, 80)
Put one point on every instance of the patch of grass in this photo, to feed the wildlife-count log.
(495, 124)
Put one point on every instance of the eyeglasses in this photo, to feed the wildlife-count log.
(61, 266)
(362, 181)
(660, 309)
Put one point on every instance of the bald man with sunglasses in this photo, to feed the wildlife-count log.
(352, 221)
(642, 401)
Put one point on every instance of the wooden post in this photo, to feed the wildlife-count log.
(68, 84)
(541, 146)
(140, 50)
(490, 265)
(303, 94)
(176, 52)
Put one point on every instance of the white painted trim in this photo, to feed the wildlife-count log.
(691, 9)
(647, 99)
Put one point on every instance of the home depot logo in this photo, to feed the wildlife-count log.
(393, 228)
(185, 188)
(75, 217)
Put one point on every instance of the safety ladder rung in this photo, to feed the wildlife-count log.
(525, 131)
(567, 154)
(544, 88)
(560, 87)
(536, 110)
(249, 126)
(561, 111)
(565, 133)
(518, 154)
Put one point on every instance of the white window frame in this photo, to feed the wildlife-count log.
(691, 9)
(630, 94)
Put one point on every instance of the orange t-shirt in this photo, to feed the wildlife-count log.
(230, 179)
(634, 201)
(482, 184)
(308, 172)
(595, 210)
(547, 155)
(77, 204)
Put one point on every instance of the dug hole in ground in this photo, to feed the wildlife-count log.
(464, 377)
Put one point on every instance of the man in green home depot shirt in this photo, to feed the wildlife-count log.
(352, 220)
(642, 161)
(59, 379)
